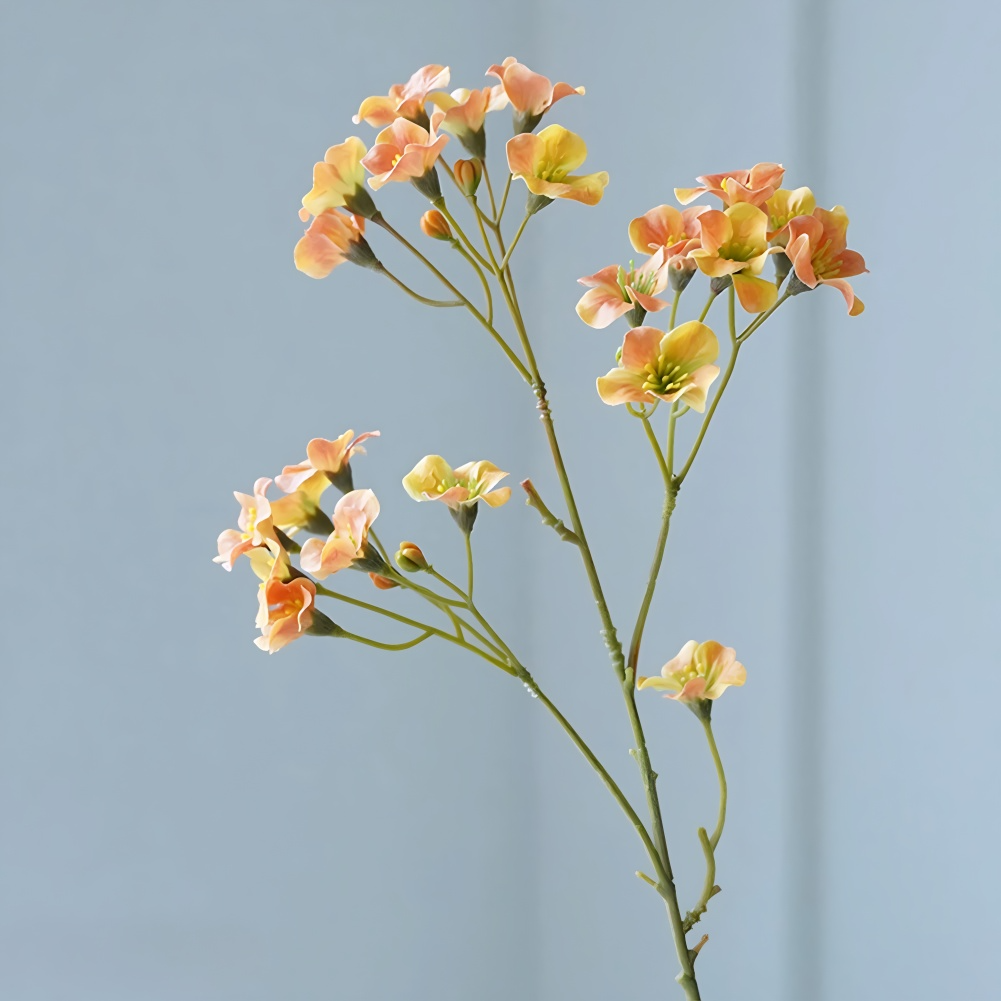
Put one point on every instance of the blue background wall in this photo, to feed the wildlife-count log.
(183, 817)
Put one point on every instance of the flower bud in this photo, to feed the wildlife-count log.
(410, 559)
(435, 225)
(467, 175)
(382, 583)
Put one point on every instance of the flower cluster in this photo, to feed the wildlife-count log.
(341, 540)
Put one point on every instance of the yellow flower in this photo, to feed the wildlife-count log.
(735, 242)
(460, 489)
(663, 366)
(700, 671)
(544, 163)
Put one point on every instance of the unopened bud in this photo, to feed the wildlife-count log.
(410, 559)
(467, 176)
(435, 225)
(720, 284)
(382, 583)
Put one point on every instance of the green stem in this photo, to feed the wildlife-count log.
(674, 310)
(437, 303)
(439, 204)
(422, 626)
(483, 280)
(490, 189)
(759, 320)
(706, 308)
(386, 646)
(503, 205)
(469, 566)
(721, 818)
(380, 220)
(626, 675)
(514, 242)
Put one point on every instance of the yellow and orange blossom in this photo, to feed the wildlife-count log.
(783, 207)
(663, 366)
(755, 186)
(405, 100)
(286, 611)
(339, 182)
(403, 152)
(353, 517)
(434, 479)
(256, 526)
(818, 251)
(332, 238)
(614, 291)
(735, 242)
(325, 461)
(531, 94)
(544, 163)
(700, 671)
(463, 112)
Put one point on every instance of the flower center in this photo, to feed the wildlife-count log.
(736, 251)
(825, 261)
(665, 378)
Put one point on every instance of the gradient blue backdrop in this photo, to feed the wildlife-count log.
(183, 817)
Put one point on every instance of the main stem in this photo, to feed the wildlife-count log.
(626, 674)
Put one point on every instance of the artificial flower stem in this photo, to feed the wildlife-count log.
(378, 645)
(437, 303)
(721, 775)
(512, 357)
(483, 280)
(503, 204)
(469, 566)
(758, 321)
(709, 887)
(423, 626)
(548, 518)
(514, 242)
(674, 310)
(626, 676)
(736, 343)
(490, 189)
(439, 204)
(707, 307)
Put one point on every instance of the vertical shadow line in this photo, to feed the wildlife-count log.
(806, 634)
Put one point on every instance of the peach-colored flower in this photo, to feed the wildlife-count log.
(403, 152)
(756, 185)
(434, 479)
(286, 611)
(531, 94)
(817, 248)
(467, 174)
(700, 671)
(463, 112)
(381, 582)
(544, 163)
(325, 460)
(655, 365)
(666, 226)
(353, 517)
(735, 242)
(405, 100)
(256, 526)
(339, 182)
(783, 207)
(613, 291)
(332, 238)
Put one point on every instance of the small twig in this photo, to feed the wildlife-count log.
(548, 518)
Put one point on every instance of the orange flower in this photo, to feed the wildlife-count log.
(544, 163)
(405, 152)
(531, 94)
(434, 479)
(325, 460)
(286, 611)
(665, 226)
(256, 526)
(735, 242)
(613, 291)
(405, 100)
(353, 517)
(332, 238)
(435, 225)
(700, 671)
(817, 248)
(756, 185)
(463, 112)
(339, 182)
(663, 366)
